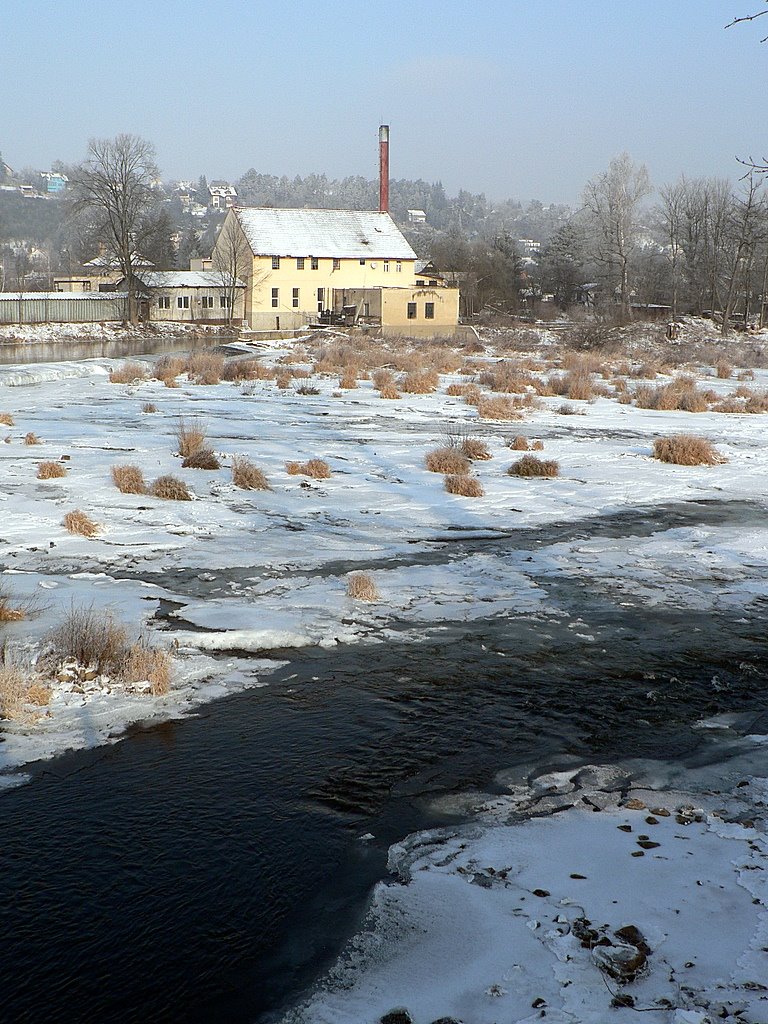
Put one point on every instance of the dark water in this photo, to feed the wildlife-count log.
(205, 870)
(67, 351)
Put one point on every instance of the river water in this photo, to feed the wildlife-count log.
(207, 869)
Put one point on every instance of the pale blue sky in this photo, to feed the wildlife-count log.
(515, 98)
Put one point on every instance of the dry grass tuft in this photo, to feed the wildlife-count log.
(203, 458)
(129, 479)
(419, 382)
(389, 391)
(475, 449)
(50, 470)
(90, 638)
(686, 450)
(382, 378)
(537, 446)
(283, 380)
(465, 485)
(190, 436)
(149, 407)
(170, 488)
(248, 476)
(519, 444)
(39, 694)
(168, 369)
(447, 460)
(529, 465)
(6, 419)
(724, 370)
(79, 522)
(128, 373)
(13, 692)
(9, 610)
(361, 587)
(32, 438)
(318, 469)
(205, 367)
(348, 380)
(498, 409)
(146, 664)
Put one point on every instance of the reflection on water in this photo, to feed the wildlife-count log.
(65, 351)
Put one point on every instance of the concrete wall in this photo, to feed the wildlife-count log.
(195, 312)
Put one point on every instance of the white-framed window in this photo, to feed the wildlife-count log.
(386, 266)
(429, 311)
(182, 301)
(300, 263)
(164, 302)
(398, 266)
(362, 262)
(275, 297)
(224, 301)
(411, 310)
(320, 300)
(206, 301)
(336, 264)
(314, 263)
(295, 298)
(275, 262)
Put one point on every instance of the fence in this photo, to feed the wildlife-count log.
(62, 307)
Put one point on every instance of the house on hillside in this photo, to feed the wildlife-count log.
(222, 195)
(190, 296)
(417, 217)
(303, 265)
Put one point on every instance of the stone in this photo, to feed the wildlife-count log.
(647, 844)
(631, 934)
(541, 892)
(624, 828)
(660, 812)
(633, 804)
(622, 962)
(397, 1016)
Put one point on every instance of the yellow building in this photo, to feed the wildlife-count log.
(299, 264)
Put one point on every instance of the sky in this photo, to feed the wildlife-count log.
(523, 99)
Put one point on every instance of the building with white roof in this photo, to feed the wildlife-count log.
(190, 296)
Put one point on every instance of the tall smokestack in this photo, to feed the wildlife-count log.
(384, 169)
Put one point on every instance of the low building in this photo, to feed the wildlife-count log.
(54, 182)
(418, 312)
(68, 308)
(417, 217)
(190, 296)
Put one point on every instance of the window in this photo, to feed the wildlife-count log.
(224, 301)
(362, 263)
(421, 283)
(206, 301)
(183, 302)
(386, 266)
(336, 264)
(164, 302)
(433, 283)
(411, 310)
(398, 266)
(300, 263)
(295, 298)
(275, 262)
(314, 262)
(429, 311)
(275, 297)
(320, 299)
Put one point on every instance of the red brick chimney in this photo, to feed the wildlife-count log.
(384, 169)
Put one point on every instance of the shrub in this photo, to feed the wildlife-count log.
(724, 370)
(382, 378)
(248, 476)
(90, 638)
(13, 692)
(203, 458)
(79, 522)
(31, 438)
(10, 611)
(6, 419)
(144, 663)
(128, 373)
(170, 488)
(168, 368)
(283, 380)
(466, 486)
(190, 436)
(538, 446)
(129, 479)
(446, 460)
(50, 470)
(498, 409)
(307, 389)
(361, 587)
(519, 444)
(475, 449)
(686, 450)
(149, 407)
(39, 694)
(472, 394)
(348, 380)
(390, 392)
(456, 390)
(205, 367)
(529, 465)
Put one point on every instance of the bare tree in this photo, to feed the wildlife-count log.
(114, 185)
(232, 260)
(745, 230)
(750, 17)
(611, 201)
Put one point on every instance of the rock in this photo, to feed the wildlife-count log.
(651, 820)
(633, 804)
(623, 999)
(631, 934)
(602, 776)
(622, 962)
(447, 1020)
(624, 828)
(578, 876)
(637, 853)
(397, 1016)
(647, 844)
(541, 892)
(660, 812)
(538, 1003)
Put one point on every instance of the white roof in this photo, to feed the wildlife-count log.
(361, 234)
(61, 296)
(184, 279)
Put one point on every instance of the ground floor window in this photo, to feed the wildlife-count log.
(206, 301)
(429, 311)
(295, 298)
(183, 302)
(275, 297)
(411, 310)
(224, 301)
(164, 302)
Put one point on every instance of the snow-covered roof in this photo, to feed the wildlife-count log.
(61, 296)
(184, 279)
(362, 234)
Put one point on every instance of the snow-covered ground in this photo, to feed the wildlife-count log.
(234, 573)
